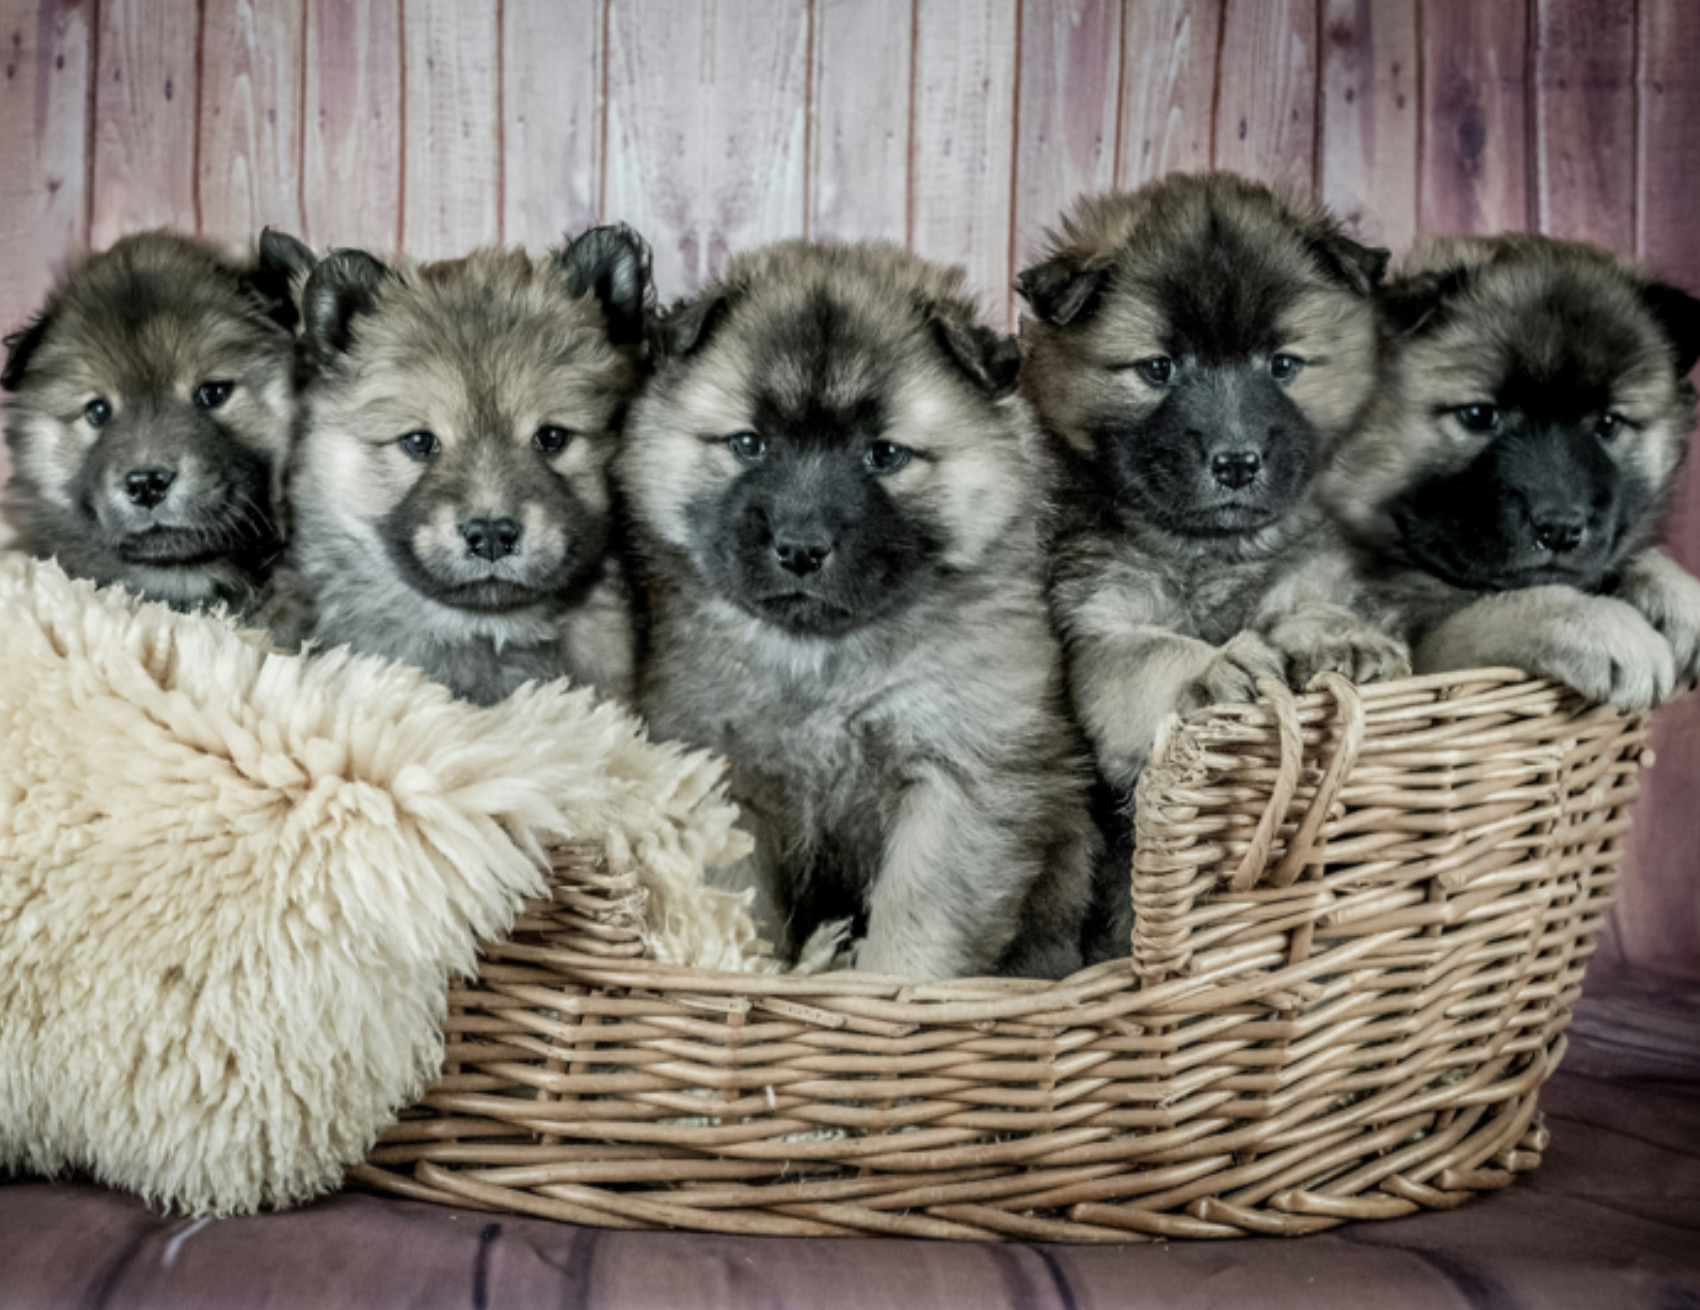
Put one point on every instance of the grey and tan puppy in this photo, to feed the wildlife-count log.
(450, 491)
(1194, 350)
(149, 419)
(1504, 490)
(838, 498)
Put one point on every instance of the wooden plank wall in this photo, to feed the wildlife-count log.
(957, 126)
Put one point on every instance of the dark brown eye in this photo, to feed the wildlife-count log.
(1157, 370)
(886, 457)
(750, 447)
(420, 445)
(1284, 368)
(210, 395)
(1610, 427)
(98, 412)
(550, 439)
(1478, 418)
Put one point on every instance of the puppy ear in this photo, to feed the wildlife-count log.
(20, 345)
(1358, 266)
(282, 262)
(687, 326)
(1411, 302)
(1678, 314)
(613, 264)
(1061, 289)
(989, 360)
(341, 285)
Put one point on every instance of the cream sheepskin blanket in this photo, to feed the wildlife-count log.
(234, 884)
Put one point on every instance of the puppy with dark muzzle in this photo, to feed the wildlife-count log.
(450, 492)
(150, 414)
(1503, 492)
(1194, 350)
(838, 498)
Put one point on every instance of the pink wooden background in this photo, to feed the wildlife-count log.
(957, 126)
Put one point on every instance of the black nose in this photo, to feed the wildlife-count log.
(800, 552)
(147, 487)
(492, 538)
(1235, 468)
(1560, 532)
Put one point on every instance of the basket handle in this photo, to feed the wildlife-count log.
(1349, 713)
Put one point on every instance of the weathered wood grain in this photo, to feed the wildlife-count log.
(863, 61)
(1368, 152)
(551, 118)
(144, 135)
(1584, 120)
(1168, 88)
(964, 142)
(1069, 78)
(1266, 93)
(351, 155)
(1474, 161)
(250, 128)
(706, 124)
(451, 143)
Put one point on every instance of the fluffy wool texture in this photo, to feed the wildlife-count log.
(234, 884)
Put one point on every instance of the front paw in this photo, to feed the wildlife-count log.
(1668, 597)
(1358, 652)
(1623, 660)
(1231, 676)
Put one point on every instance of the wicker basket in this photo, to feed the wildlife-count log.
(1363, 916)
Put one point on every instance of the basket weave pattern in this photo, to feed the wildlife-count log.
(1362, 917)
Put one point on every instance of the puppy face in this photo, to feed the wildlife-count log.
(1203, 342)
(461, 416)
(829, 432)
(150, 415)
(1533, 412)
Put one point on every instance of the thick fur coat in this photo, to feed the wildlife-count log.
(234, 884)
(838, 500)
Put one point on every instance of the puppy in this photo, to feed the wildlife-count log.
(450, 491)
(837, 497)
(1194, 351)
(1503, 492)
(149, 418)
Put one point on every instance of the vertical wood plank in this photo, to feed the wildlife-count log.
(1474, 166)
(250, 128)
(144, 147)
(963, 159)
(452, 171)
(707, 106)
(863, 59)
(1369, 118)
(1168, 90)
(351, 154)
(1266, 91)
(551, 119)
(1584, 120)
(1070, 73)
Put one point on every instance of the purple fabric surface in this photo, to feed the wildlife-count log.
(1611, 1220)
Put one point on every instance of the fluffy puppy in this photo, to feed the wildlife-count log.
(1194, 350)
(450, 492)
(149, 418)
(1503, 492)
(837, 495)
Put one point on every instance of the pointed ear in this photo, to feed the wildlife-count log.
(1410, 303)
(283, 264)
(1356, 266)
(612, 264)
(988, 359)
(687, 326)
(20, 345)
(1062, 289)
(343, 284)
(1679, 315)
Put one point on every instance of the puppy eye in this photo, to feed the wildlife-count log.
(420, 445)
(98, 412)
(210, 395)
(886, 457)
(1157, 370)
(748, 446)
(1478, 418)
(1610, 427)
(1284, 368)
(550, 439)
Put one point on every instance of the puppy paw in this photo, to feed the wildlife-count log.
(1358, 652)
(1668, 597)
(1231, 676)
(1624, 661)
